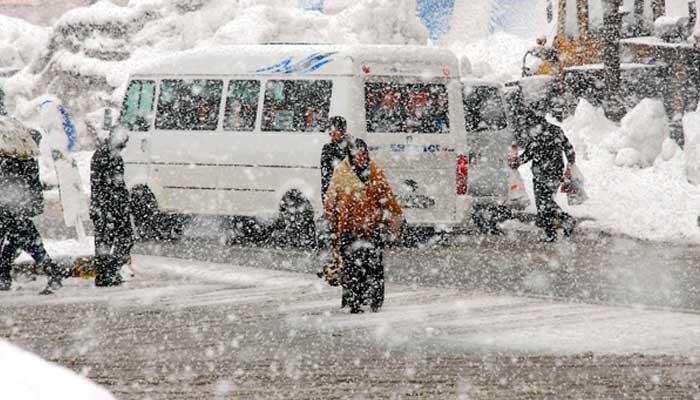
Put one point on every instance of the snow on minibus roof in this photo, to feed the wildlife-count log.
(300, 60)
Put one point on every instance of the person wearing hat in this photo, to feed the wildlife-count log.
(360, 207)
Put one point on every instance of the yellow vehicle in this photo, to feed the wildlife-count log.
(578, 39)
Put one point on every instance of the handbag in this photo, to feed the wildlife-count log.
(332, 268)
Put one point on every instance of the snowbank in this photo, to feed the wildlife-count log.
(691, 130)
(588, 128)
(93, 48)
(495, 57)
(640, 139)
(366, 21)
(26, 376)
(20, 42)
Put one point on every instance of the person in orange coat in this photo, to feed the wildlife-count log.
(361, 208)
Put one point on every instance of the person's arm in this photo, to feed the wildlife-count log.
(392, 214)
(526, 156)
(568, 147)
(330, 208)
(96, 182)
(326, 171)
(123, 196)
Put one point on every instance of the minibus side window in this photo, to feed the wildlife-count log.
(484, 109)
(241, 105)
(296, 105)
(189, 104)
(406, 107)
(138, 105)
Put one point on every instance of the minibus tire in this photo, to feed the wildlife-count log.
(295, 225)
(144, 209)
(487, 216)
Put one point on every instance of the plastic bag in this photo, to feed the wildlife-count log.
(573, 186)
(517, 196)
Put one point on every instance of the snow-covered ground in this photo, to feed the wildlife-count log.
(25, 376)
(415, 316)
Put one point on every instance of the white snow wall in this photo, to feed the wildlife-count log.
(476, 19)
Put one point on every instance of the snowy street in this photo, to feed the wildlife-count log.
(196, 329)
(505, 194)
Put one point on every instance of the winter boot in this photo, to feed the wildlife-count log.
(569, 225)
(5, 284)
(5, 279)
(55, 276)
(107, 274)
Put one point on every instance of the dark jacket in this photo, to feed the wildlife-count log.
(20, 186)
(545, 149)
(331, 156)
(109, 201)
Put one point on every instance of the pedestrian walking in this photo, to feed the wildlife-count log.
(110, 210)
(334, 152)
(21, 198)
(362, 212)
(546, 147)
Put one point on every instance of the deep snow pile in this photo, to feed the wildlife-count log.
(20, 42)
(496, 57)
(26, 376)
(691, 130)
(495, 34)
(640, 139)
(92, 49)
(656, 202)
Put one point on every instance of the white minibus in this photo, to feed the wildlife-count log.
(238, 131)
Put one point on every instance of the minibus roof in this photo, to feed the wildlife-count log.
(299, 60)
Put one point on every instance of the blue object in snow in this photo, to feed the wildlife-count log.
(436, 15)
(68, 128)
(311, 5)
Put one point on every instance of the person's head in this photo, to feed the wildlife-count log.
(118, 138)
(337, 129)
(359, 154)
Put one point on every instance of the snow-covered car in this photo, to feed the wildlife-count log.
(235, 131)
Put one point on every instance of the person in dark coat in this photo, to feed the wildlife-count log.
(110, 212)
(546, 148)
(21, 198)
(333, 153)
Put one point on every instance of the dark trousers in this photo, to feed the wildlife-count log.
(363, 272)
(19, 233)
(549, 214)
(113, 244)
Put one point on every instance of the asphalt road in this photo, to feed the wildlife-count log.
(592, 266)
(157, 338)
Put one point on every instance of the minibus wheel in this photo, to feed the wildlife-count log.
(295, 225)
(487, 216)
(144, 209)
